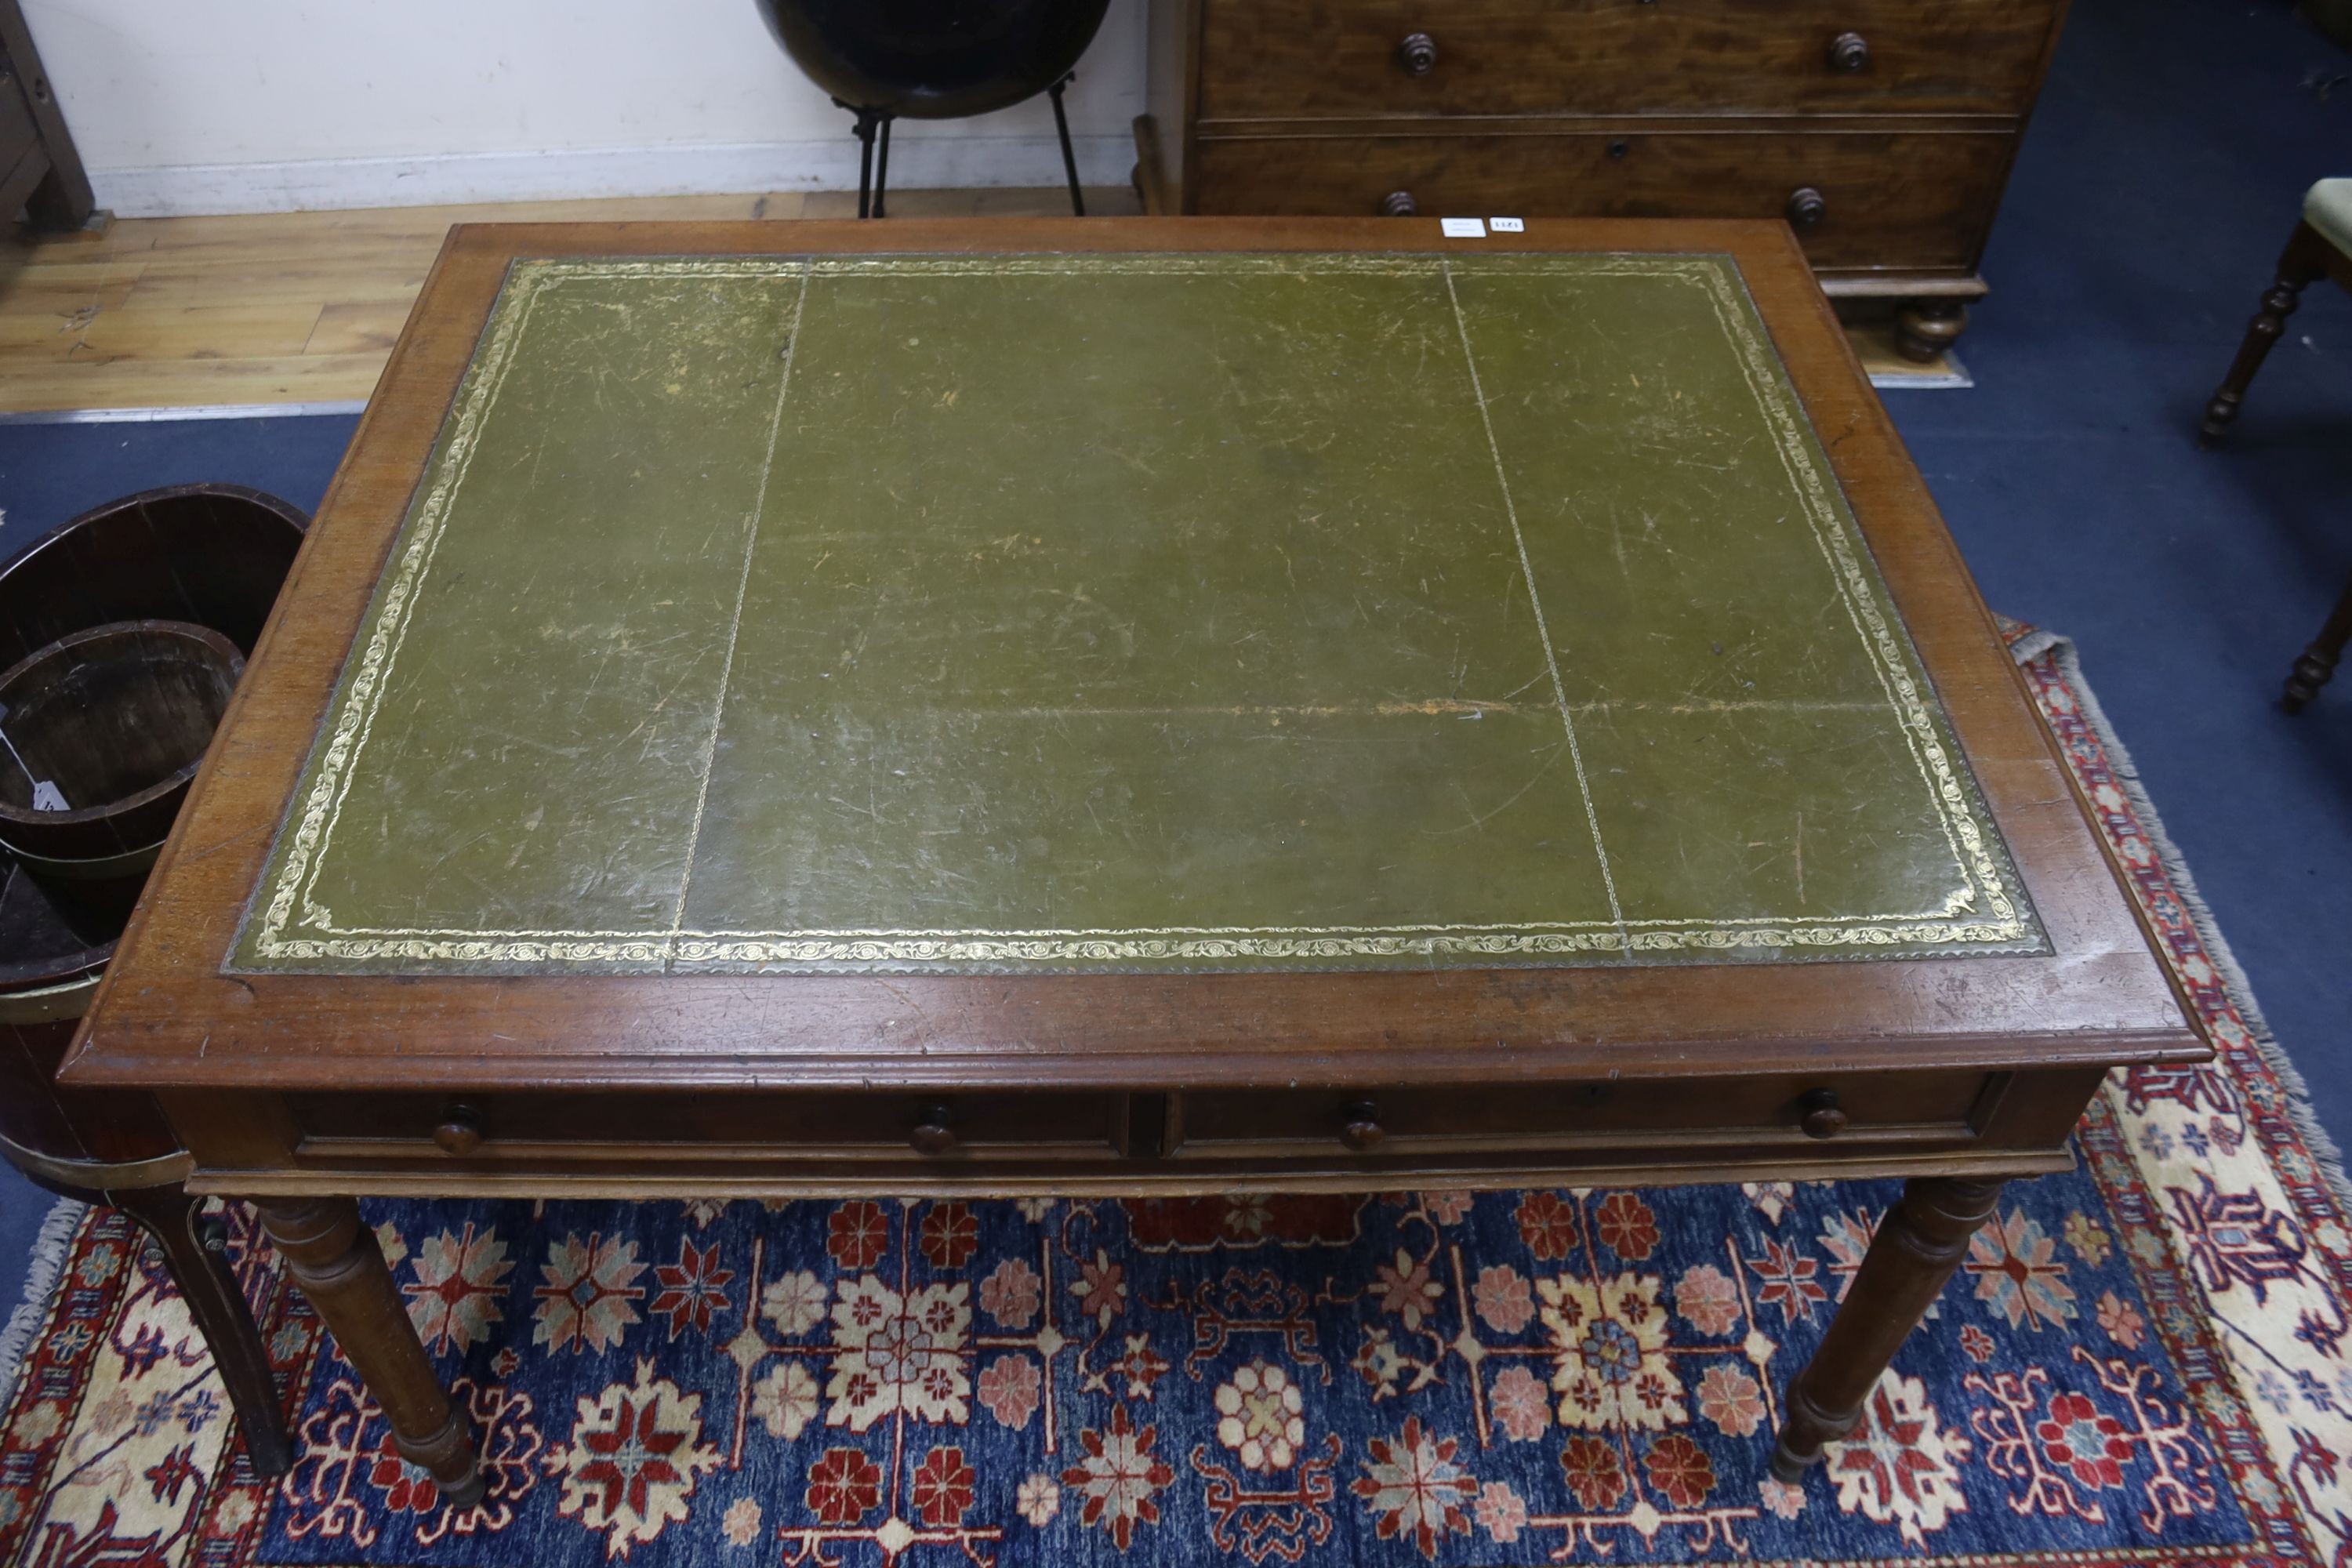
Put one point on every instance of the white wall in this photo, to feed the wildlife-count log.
(212, 105)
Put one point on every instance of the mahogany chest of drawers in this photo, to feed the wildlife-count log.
(1883, 130)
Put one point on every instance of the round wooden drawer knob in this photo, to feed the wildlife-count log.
(1821, 1115)
(935, 1131)
(1362, 1131)
(460, 1131)
(1417, 55)
(1806, 208)
(1399, 203)
(1850, 52)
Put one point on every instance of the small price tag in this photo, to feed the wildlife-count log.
(1507, 225)
(47, 796)
(1463, 227)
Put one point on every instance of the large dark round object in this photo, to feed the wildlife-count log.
(211, 554)
(934, 59)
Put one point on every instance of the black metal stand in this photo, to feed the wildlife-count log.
(1069, 158)
(871, 180)
(873, 131)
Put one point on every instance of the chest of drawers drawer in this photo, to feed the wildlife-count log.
(1264, 59)
(1857, 199)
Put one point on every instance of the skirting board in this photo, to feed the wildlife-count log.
(920, 157)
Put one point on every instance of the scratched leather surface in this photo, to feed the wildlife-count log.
(1146, 613)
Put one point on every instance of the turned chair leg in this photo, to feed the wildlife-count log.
(336, 1262)
(2303, 261)
(1919, 1244)
(199, 1267)
(2317, 664)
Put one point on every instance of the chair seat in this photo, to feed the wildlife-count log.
(2328, 207)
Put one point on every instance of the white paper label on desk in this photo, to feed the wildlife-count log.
(1463, 227)
(1507, 225)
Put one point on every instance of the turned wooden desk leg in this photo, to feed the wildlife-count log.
(335, 1259)
(1919, 1244)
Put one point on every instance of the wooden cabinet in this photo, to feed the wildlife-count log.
(1882, 130)
(41, 174)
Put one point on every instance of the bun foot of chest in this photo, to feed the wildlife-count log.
(1926, 329)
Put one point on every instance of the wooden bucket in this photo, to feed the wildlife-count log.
(115, 721)
(211, 554)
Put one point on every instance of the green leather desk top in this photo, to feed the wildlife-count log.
(1149, 613)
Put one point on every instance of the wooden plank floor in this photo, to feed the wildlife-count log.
(303, 307)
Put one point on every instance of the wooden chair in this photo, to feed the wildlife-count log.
(2321, 247)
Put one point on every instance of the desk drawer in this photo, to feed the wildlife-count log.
(492, 1129)
(1801, 1113)
(1276, 60)
(1904, 200)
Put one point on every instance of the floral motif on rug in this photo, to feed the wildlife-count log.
(2141, 1361)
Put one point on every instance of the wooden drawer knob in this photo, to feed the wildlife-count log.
(934, 1131)
(1806, 208)
(1820, 1114)
(460, 1131)
(1399, 203)
(1850, 52)
(1417, 55)
(1362, 1129)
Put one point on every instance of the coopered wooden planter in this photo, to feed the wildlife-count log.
(211, 554)
(104, 730)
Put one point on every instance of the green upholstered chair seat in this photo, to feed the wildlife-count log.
(2328, 207)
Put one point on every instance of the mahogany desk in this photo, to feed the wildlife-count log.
(1125, 707)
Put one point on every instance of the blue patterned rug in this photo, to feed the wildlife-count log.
(2141, 1362)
